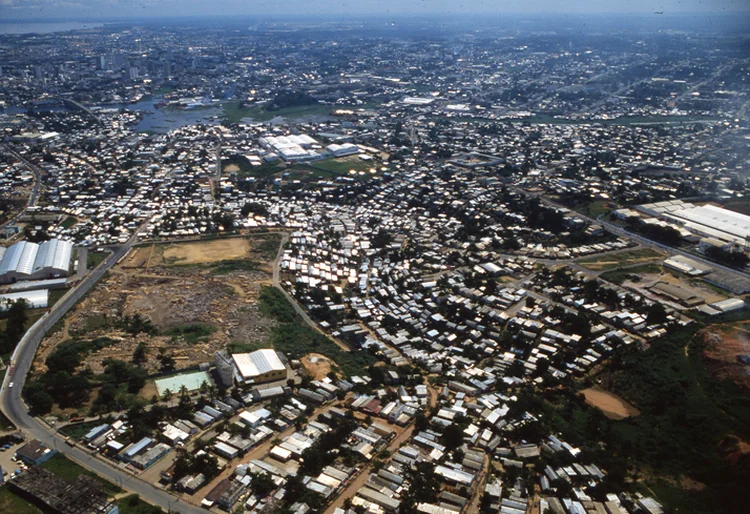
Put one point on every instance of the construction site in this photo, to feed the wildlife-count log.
(199, 296)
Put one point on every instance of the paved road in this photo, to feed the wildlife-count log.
(13, 407)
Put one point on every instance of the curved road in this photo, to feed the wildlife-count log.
(13, 407)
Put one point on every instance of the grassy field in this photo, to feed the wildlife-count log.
(95, 258)
(78, 430)
(11, 503)
(69, 470)
(248, 170)
(618, 276)
(617, 260)
(55, 295)
(234, 113)
(68, 222)
(191, 333)
(132, 504)
(595, 209)
(342, 165)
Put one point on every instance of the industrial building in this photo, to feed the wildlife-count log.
(38, 299)
(30, 261)
(259, 366)
(84, 495)
(708, 221)
(293, 147)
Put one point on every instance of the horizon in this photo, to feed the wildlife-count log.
(90, 10)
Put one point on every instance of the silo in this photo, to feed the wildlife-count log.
(224, 367)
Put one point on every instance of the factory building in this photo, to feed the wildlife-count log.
(31, 261)
(258, 367)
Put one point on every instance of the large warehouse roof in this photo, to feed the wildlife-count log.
(730, 223)
(257, 363)
(24, 259)
(54, 254)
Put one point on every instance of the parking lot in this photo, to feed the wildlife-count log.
(6, 462)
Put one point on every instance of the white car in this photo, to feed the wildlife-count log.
(10, 385)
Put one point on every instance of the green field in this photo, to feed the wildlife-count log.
(617, 260)
(11, 503)
(78, 430)
(342, 165)
(68, 222)
(595, 209)
(191, 333)
(234, 113)
(618, 276)
(69, 470)
(248, 170)
(132, 504)
(95, 258)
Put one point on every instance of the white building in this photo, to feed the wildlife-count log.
(259, 366)
(31, 261)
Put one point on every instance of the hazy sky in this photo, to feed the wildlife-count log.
(104, 9)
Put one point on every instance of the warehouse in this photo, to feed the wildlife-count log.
(26, 261)
(705, 220)
(34, 299)
(259, 366)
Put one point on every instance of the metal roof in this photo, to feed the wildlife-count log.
(257, 363)
(54, 254)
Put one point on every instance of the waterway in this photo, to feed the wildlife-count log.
(157, 121)
(45, 28)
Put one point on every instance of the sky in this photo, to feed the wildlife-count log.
(109, 9)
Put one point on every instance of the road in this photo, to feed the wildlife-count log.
(13, 407)
(34, 196)
(618, 231)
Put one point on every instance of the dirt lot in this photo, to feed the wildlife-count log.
(208, 294)
(318, 365)
(610, 404)
(205, 252)
(616, 260)
(722, 349)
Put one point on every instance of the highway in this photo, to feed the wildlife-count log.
(13, 407)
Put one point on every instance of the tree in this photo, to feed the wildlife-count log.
(140, 353)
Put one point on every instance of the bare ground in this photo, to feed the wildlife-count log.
(318, 365)
(610, 404)
(722, 349)
(170, 296)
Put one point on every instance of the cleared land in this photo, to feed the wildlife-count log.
(617, 260)
(721, 352)
(207, 252)
(610, 404)
(201, 297)
(318, 365)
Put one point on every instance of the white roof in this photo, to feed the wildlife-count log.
(54, 254)
(37, 299)
(257, 363)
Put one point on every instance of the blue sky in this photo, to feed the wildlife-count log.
(106, 9)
